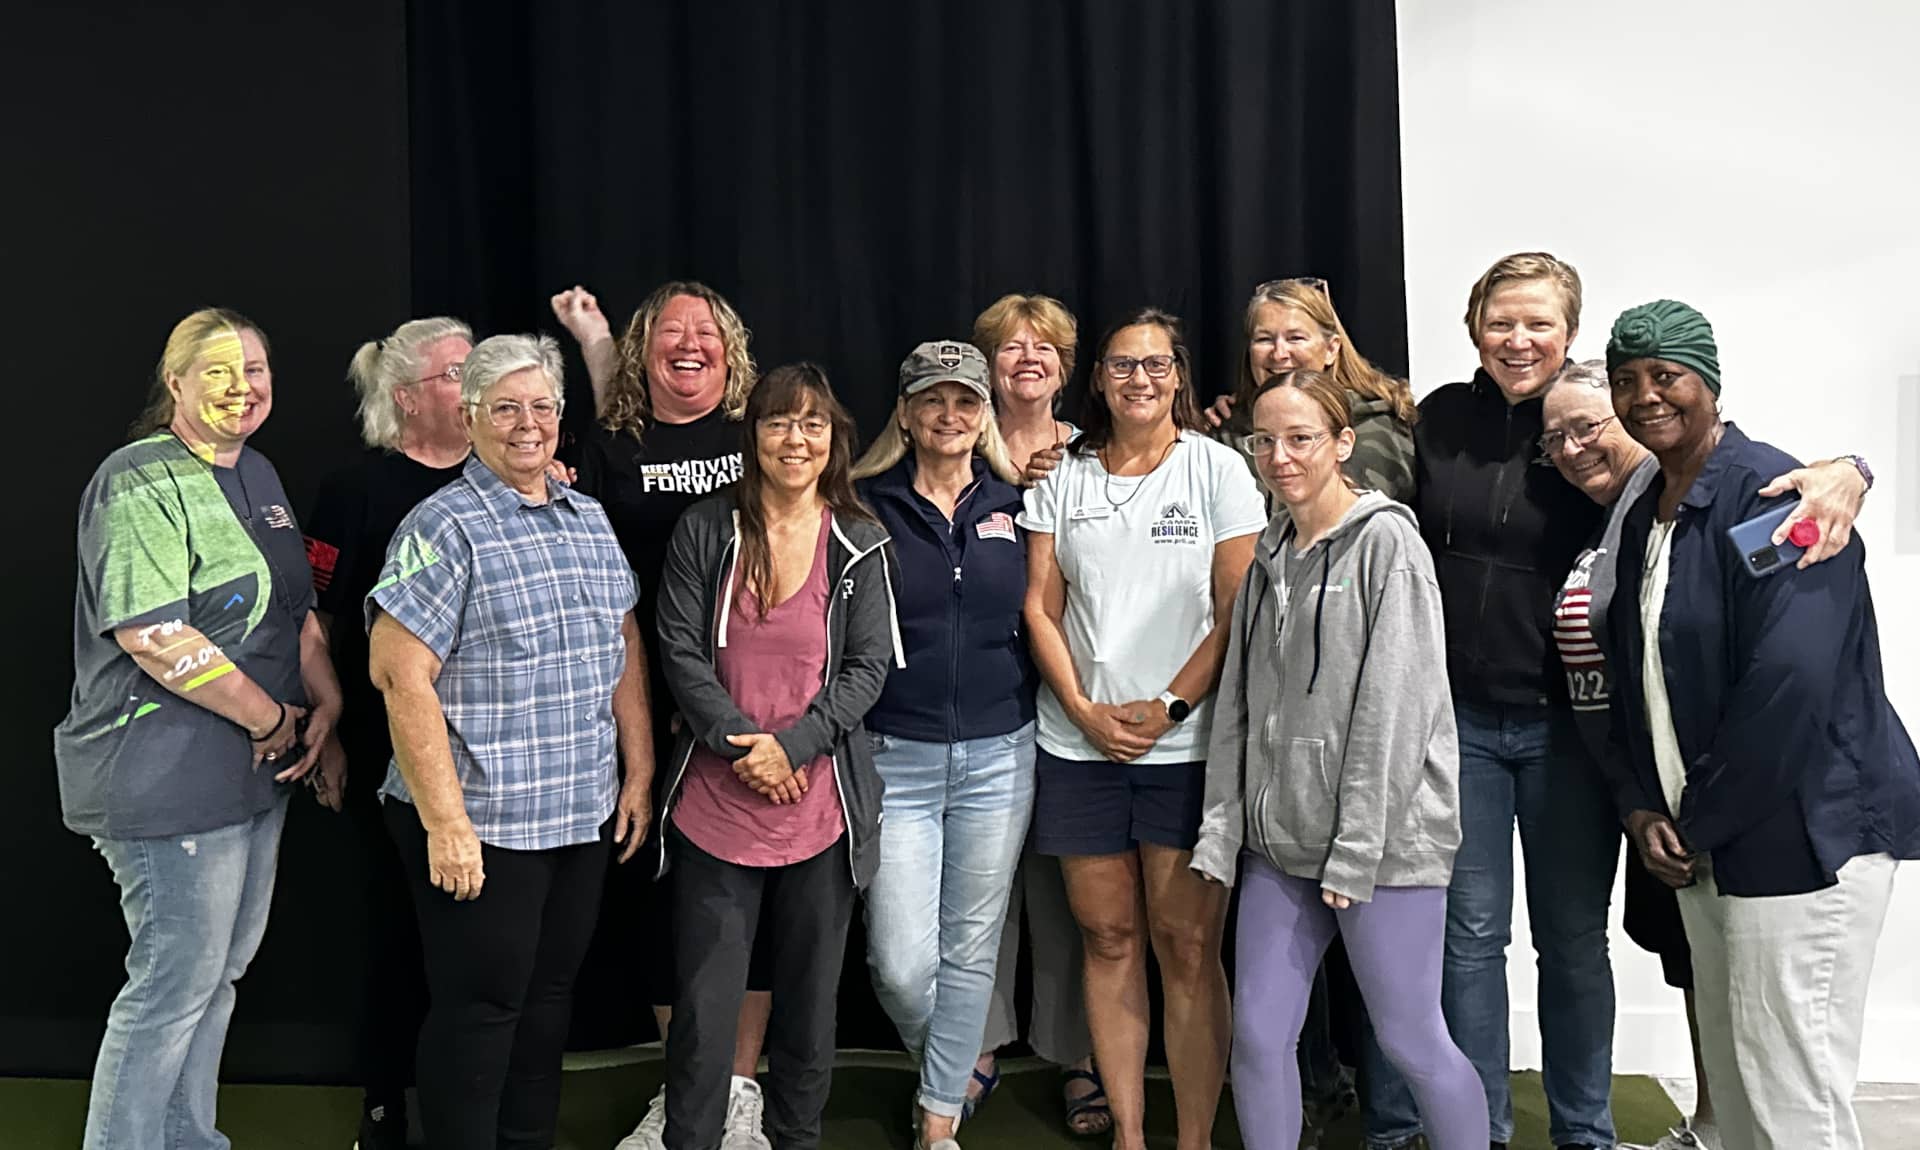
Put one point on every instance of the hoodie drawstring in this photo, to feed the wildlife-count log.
(1319, 608)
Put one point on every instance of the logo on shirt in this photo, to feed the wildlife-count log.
(1175, 525)
(999, 525)
(278, 516)
(846, 588)
(323, 558)
(690, 476)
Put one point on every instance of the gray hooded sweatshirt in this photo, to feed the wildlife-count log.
(1334, 753)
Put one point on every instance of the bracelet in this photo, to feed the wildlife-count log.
(1860, 465)
(273, 730)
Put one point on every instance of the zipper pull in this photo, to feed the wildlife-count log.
(956, 580)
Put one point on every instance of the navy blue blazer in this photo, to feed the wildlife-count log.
(1795, 759)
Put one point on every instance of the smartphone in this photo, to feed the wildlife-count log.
(1753, 540)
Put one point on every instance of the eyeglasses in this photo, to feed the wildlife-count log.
(1314, 283)
(813, 427)
(1120, 368)
(1297, 446)
(452, 373)
(505, 413)
(1580, 431)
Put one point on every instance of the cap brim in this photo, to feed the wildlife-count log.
(920, 385)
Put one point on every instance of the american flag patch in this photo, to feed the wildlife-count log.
(999, 525)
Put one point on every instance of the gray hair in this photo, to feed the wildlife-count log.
(497, 357)
(382, 366)
(1583, 373)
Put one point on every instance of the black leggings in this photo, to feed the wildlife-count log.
(500, 970)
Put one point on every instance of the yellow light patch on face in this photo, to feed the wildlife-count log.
(214, 393)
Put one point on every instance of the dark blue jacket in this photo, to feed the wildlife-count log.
(968, 674)
(1796, 762)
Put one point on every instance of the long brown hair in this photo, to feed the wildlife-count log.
(793, 390)
(1097, 420)
(1350, 369)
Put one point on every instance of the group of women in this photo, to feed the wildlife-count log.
(997, 663)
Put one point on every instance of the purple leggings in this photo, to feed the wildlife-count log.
(1395, 944)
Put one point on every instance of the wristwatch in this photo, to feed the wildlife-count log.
(1177, 708)
(1860, 464)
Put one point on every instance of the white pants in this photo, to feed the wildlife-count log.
(1781, 992)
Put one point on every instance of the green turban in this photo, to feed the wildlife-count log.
(1666, 329)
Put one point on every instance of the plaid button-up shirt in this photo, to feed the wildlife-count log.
(523, 605)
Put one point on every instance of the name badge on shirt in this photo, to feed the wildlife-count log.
(1096, 511)
(998, 525)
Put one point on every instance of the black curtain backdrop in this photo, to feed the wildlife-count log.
(856, 177)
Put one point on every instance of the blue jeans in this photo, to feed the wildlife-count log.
(196, 908)
(1526, 764)
(954, 820)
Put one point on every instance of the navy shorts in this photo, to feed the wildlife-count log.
(1107, 808)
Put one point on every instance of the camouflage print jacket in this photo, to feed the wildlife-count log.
(1382, 458)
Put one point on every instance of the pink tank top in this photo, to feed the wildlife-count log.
(773, 667)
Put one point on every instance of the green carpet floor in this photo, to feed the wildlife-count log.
(871, 1095)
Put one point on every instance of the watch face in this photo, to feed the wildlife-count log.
(1177, 710)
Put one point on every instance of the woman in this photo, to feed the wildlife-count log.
(197, 661)
(416, 439)
(953, 730)
(1290, 324)
(668, 397)
(1503, 534)
(1031, 341)
(776, 628)
(501, 635)
(1144, 527)
(1337, 788)
(1774, 786)
(1587, 444)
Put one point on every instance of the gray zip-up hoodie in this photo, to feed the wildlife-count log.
(1334, 752)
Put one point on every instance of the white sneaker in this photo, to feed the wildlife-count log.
(745, 1109)
(652, 1130)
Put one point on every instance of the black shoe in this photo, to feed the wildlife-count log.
(383, 1128)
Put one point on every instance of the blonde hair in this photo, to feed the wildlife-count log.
(629, 405)
(383, 366)
(184, 344)
(1524, 267)
(892, 445)
(1048, 317)
(1351, 370)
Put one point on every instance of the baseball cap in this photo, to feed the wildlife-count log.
(945, 361)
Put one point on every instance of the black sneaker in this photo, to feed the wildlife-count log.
(383, 1128)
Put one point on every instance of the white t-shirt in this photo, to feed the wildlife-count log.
(1668, 762)
(1137, 554)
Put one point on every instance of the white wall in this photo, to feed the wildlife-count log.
(1760, 160)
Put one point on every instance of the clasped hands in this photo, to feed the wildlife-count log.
(1123, 731)
(765, 768)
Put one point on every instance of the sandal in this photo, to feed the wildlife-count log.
(1087, 1114)
(988, 1084)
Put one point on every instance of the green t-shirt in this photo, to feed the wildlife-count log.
(166, 538)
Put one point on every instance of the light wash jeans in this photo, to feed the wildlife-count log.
(196, 908)
(954, 820)
(1525, 765)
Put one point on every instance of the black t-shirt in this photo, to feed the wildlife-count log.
(644, 485)
(353, 521)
